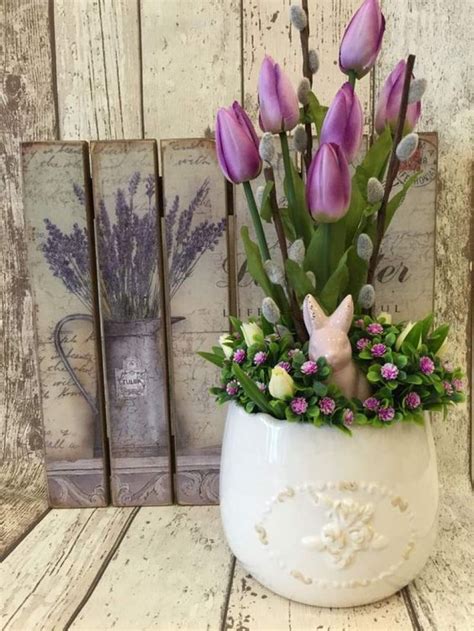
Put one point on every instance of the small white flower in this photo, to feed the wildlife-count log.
(375, 191)
(296, 251)
(270, 310)
(313, 61)
(298, 17)
(407, 147)
(225, 342)
(252, 333)
(267, 148)
(365, 247)
(417, 89)
(366, 296)
(281, 385)
(304, 88)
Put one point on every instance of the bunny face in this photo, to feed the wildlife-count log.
(328, 334)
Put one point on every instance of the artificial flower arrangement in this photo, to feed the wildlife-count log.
(364, 369)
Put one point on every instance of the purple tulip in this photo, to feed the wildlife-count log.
(237, 145)
(344, 122)
(279, 109)
(388, 106)
(362, 39)
(328, 188)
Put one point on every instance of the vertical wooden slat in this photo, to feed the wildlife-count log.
(437, 37)
(267, 30)
(129, 253)
(58, 216)
(191, 64)
(27, 112)
(98, 69)
(198, 277)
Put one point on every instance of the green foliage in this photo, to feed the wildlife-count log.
(315, 113)
(336, 285)
(255, 264)
(298, 211)
(266, 209)
(298, 279)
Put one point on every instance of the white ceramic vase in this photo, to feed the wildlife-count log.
(324, 518)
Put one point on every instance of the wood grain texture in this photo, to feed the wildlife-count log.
(267, 30)
(98, 69)
(26, 113)
(170, 572)
(191, 64)
(442, 596)
(437, 34)
(254, 608)
(54, 567)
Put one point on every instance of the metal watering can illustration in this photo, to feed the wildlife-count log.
(93, 401)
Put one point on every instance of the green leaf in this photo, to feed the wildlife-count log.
(298, 279)
(266, 208)
(315, 113)
(214, 359)
(373, 165)
(427, 324)
(398, 199)
(288, 226)
(414, 336)
(251, 390)
(336, 285)
(416, 379)
(436, 339)
(320, 388)
(303, 224)
(314, 256)
(358, 269)
(255, 264)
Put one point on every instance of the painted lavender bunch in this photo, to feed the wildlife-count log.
(68, 256)
(128, 253)
(185, 242)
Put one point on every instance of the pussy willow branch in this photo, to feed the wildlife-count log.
(304, 38)
(392, 171)
(295, 310)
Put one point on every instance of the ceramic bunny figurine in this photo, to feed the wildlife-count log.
(328, 338)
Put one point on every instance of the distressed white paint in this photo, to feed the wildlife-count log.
(44, 579)
(171, 572)
(98, 69)
(437, 34)
(191, 64)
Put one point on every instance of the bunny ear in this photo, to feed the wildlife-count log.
(314, 316)
(342, 317)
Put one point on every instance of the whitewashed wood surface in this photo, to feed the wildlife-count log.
(169, 568)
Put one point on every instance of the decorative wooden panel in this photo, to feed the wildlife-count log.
(405, 273)
(198, 276)
(129, 256)
(58, 218)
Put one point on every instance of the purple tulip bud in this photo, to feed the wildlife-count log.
(328, 188)
(388, 106)
(343, 124)
(362, 39)
(237, 145)
(279, 110)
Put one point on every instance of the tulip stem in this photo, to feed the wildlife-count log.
(392, 171)
(304, 39)
(289, 175)
(257, 222)
(352, 78)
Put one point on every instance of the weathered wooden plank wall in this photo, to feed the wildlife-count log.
(112, 61)
(427, 29)
(27, 112)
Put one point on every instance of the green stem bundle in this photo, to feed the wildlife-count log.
(257, 222)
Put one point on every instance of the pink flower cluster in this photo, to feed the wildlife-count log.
(389, 371)
(309, 368)
(299, 405)
(327, 406)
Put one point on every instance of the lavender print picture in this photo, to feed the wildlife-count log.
(198, 277)
(58, 216)
(129, 256)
